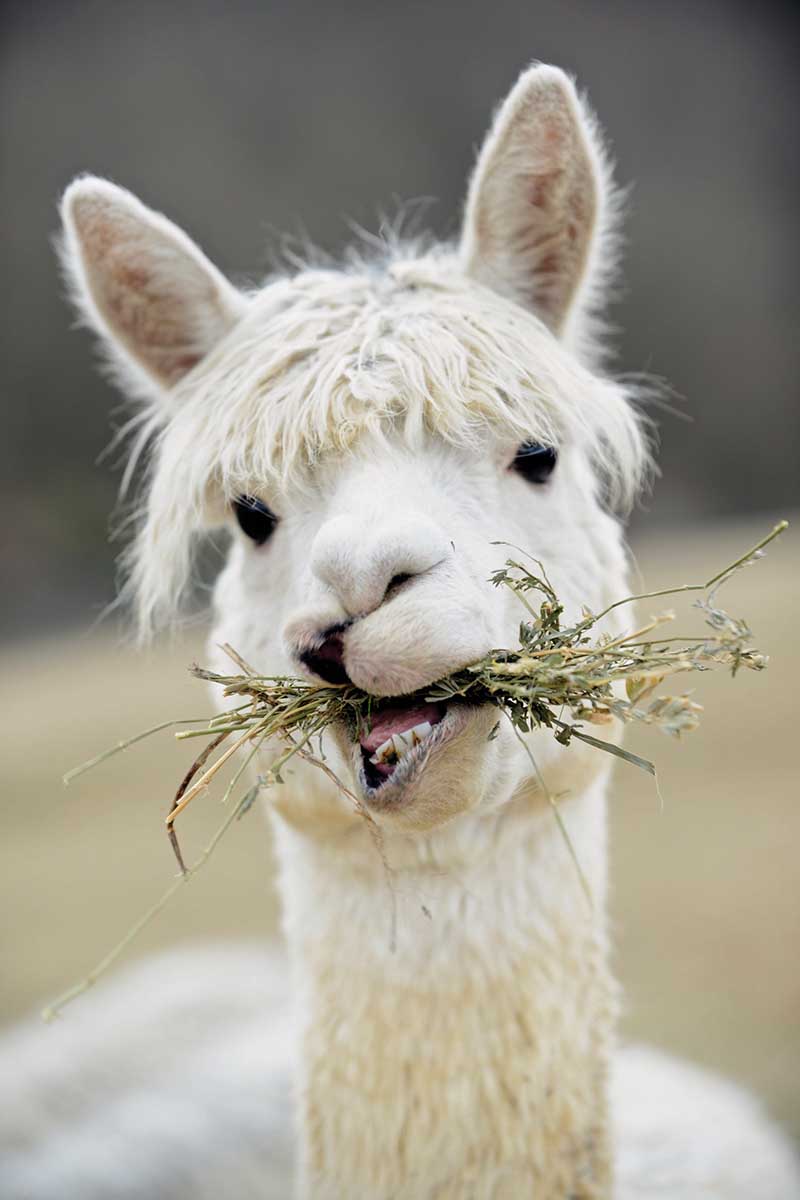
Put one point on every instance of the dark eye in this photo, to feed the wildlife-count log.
(535, 462)
(254, 518)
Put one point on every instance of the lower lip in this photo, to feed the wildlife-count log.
(411, 765)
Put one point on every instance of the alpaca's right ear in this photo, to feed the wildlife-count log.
(153, 297)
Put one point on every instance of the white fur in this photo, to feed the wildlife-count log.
(155, 1086)
(454, 1017)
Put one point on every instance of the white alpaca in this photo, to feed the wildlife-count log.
(363, 428)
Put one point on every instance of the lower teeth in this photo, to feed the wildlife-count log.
(393, 749)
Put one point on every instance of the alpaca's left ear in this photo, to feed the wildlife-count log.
(154, 298)
(537, 202)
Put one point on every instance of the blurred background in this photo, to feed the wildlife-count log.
(247, 120)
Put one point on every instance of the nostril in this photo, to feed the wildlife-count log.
(327, 659)
(397, 581)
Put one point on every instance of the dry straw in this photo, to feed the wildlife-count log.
(561, 677)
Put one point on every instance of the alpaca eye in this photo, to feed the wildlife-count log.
(535, 462)
(254, 518)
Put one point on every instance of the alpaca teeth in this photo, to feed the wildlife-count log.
(384, 753)
(400, 743)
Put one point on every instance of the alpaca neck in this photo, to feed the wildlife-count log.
(469, 1059)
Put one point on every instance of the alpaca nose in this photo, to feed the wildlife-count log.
(360, 561)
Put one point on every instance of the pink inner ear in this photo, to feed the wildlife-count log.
(147, 316)
(542, 188)
(533, 204)
(161, 302)
(183, 364)
(550, 264)
(136, 279)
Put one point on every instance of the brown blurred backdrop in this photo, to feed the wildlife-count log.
(244, 120)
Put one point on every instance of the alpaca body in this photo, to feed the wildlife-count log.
(110, 1103)
(367, 436)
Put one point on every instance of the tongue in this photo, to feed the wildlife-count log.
(395, 719)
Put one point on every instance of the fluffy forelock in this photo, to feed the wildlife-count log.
(329, 357)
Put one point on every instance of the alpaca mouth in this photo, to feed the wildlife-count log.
(395, 745)
(396, 729)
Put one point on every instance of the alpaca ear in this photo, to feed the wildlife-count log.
(536, 199)
(153, 297)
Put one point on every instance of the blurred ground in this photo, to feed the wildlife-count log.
(706, 899)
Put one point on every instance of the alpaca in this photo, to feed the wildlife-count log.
(367, 434)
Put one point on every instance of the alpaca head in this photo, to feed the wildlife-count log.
(368, 433)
